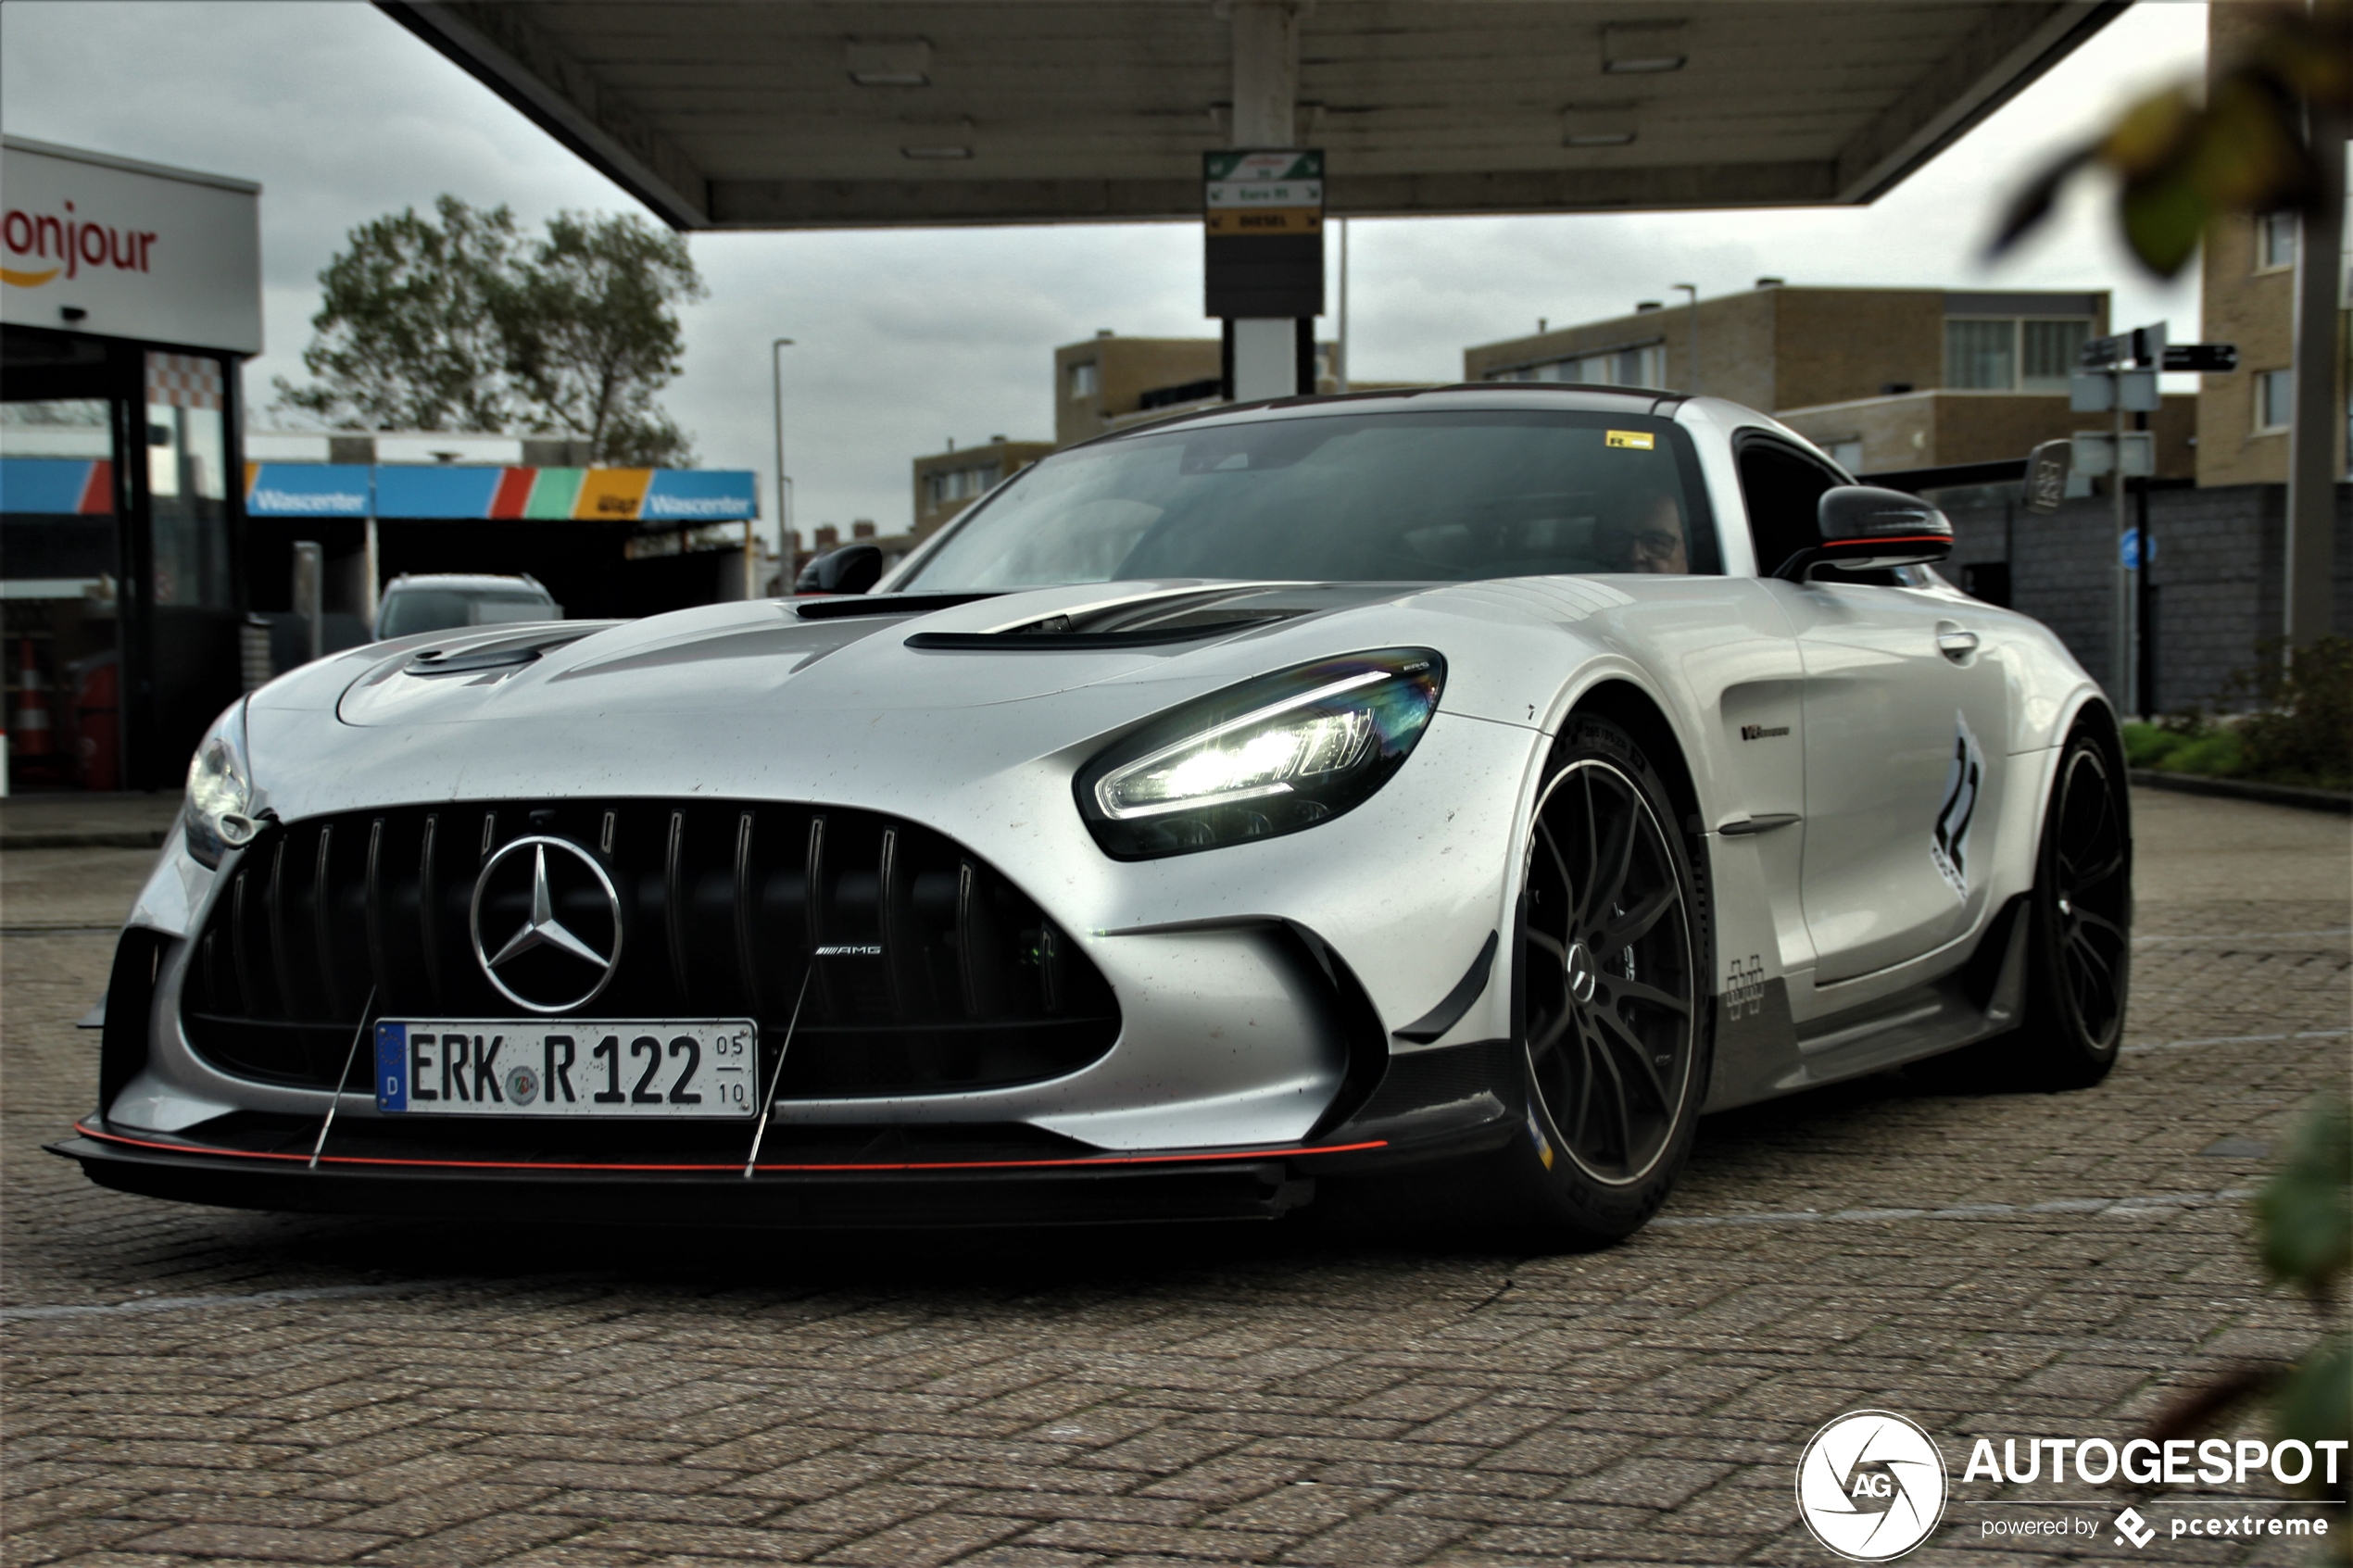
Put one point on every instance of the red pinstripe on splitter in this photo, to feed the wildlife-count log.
(513, 493)
(1075, 1162)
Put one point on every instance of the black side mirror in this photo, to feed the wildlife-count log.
(853, 569)
(1865, 527)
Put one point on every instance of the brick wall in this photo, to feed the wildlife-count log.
(2217, 576)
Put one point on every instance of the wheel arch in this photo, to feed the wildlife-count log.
(1638, 714)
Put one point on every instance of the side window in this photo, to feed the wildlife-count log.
(1782, 491)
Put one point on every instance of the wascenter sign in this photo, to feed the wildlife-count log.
(101, 245)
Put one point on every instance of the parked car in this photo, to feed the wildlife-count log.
(1480, 783)
(437, 601)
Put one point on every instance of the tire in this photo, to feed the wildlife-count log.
(2079, 944)
(1610, 1000)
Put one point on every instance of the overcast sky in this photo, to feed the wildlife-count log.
(909, 338)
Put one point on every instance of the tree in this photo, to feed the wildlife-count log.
(407, 338)
(592, 334)
(466, 326)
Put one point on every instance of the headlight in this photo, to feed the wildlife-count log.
(219, 791)
(1268, 756)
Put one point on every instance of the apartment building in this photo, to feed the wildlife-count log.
(1888, 379)
(946, 482)
(2248, 294)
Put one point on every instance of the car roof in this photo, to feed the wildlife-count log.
(1578, 397)
(465, 580)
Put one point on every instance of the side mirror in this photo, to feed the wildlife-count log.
(1865, 527)
(853, 569)
(2046, 470)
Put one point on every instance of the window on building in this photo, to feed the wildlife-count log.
(1642, 366)
(1847, 453)
(2002, 354)
(1084, 380)
(2048, 352)
(2274, 399)
(1980, 355)
(2274, 241)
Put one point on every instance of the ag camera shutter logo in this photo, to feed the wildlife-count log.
(1871, 1486)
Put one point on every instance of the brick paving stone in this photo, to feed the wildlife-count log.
(1308, 1392)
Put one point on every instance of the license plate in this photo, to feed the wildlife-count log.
(648, 1067)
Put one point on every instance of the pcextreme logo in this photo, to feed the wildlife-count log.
(1871, 1486)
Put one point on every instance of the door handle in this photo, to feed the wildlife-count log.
(1954, 642)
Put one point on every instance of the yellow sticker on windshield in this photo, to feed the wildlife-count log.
(1637, 440)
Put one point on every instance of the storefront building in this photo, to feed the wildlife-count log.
(129, 295)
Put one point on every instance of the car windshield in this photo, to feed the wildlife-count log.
(1401, 496)
(407, 610)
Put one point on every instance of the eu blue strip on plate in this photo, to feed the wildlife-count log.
(392, 1067)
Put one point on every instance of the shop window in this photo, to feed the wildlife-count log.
(2274, 400)
(188, 478)
(59, 603)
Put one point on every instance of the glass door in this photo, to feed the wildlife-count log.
(61, 503)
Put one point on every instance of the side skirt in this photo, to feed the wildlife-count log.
(1980, 999)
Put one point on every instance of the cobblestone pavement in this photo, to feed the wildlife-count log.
(189, 1384)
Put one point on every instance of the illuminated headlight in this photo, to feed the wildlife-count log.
(219, 791)
(1269, 757)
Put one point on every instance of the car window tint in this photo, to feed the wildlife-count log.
(1346, 497)
(1784, 493)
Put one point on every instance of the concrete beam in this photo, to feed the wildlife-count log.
(2007, 52)
(845, 204)
(500, 46)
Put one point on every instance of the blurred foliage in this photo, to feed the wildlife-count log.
(2291, 723)
(2180, 162)
(2305, 1217)
(456, 323)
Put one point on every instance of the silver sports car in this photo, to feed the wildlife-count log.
(1479, 782)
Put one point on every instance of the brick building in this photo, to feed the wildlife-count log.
(946, 482)
(1886, 380)
(2248, 297)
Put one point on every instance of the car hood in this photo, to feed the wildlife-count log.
(752, 700)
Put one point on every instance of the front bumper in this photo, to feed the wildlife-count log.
(1430, 1106)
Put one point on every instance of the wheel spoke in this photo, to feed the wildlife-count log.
(1623, 1112)
(1636, 923)
(1560, 863)
(1609, 870)
(1649, 996)
(2086, 919)
(1557, 950)
(1584, 1089)
(1542, 1045)
(2081, 878)
(1639, 1054)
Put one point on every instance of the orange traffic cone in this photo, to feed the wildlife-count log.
(30, 736)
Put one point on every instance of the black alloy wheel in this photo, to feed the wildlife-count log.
(1610, 977)
(2080, 944)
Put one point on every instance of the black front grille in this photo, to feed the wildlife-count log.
(938, 973)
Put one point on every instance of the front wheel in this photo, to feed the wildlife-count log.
(1609, 999)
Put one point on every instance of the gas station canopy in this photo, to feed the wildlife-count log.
(800, 114)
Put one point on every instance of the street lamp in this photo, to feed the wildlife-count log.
(783, 491)
(1694, 291)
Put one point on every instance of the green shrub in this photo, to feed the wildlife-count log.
(2221, 755)
(2301, 729)
(2146, 745)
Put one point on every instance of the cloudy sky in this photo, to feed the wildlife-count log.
(910, 338)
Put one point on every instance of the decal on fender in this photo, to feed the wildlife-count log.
(1949, 846)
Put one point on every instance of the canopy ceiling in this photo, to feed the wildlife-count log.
(748, 116)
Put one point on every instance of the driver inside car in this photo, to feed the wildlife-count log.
(1647, 536)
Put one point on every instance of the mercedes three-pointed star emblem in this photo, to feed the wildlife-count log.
(541, 929)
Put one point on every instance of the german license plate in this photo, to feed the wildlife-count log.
(648, 1067)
